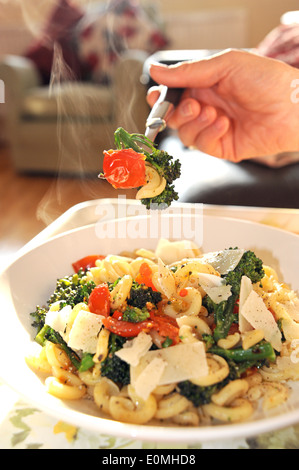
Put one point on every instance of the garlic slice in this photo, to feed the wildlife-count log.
(154, 186)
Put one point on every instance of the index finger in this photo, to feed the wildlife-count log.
(201, 73)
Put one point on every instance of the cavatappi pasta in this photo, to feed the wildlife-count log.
(167, 339)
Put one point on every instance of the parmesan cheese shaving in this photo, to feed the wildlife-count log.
(134, 349)
(223, 261)
(182, 362)
(149, 378)
(58, 319)
(214, 286)
(166, 280)
(245, 289)
(84, 333)
(257, 314)
(290, 329)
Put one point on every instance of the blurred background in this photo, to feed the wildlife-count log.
(73, 71)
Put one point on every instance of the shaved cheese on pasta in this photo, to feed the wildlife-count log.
(149, 378)
(223, 261)
(58, 319)
(290, 329)
(257, 314)
(84, 333)
(134, 349)
(170, 252)
(184, 361)
(292, 308)
(245, 289)
(214, 286)
(166, 280)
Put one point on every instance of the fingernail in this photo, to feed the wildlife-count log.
(204, 116)
(186, 109)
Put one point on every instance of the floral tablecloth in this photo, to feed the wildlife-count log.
(22, 426)
(25, 427)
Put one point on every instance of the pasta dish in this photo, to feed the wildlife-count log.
(171, 336)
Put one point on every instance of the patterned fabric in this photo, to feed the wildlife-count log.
(121, 26)
(91, 41)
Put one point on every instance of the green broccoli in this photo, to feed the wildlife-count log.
(135, 314)
(224, 315)
(39, 316)
(48, 334)
(72, 290)
(259, 352)
(164, 163)
(69, 290)
(239, 360)
(252, 267)
(163, 200)
(113, 367)
(198, 395)
(140, 295)
(249, 265)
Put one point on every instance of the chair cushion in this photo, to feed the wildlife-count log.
(210, 180)
(73, 99)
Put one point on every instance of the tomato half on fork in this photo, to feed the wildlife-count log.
(124, 168)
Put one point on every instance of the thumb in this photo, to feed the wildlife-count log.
(201, 73)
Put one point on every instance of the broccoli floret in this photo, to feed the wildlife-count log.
(69, 290)
(164, 163)
(39, 316)
(196, 394)
(249, 265)
(135, 314)
(140, 295)
(72, 290)
(113, 367)
(163, 200)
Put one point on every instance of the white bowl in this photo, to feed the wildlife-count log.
(31, 278)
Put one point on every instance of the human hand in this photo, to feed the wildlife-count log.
(236, 105)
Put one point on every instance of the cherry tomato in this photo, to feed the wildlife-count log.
(117, 314)
(99, 300)
(124, 168)
(86, 263)
(166, 326)
(145, 276)
(126, 328)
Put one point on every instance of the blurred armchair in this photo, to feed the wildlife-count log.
(66, 127)
(77, 82)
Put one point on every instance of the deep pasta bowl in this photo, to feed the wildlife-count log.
(30, 279)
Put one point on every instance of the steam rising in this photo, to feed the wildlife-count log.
(77, 126)
(76, 133)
